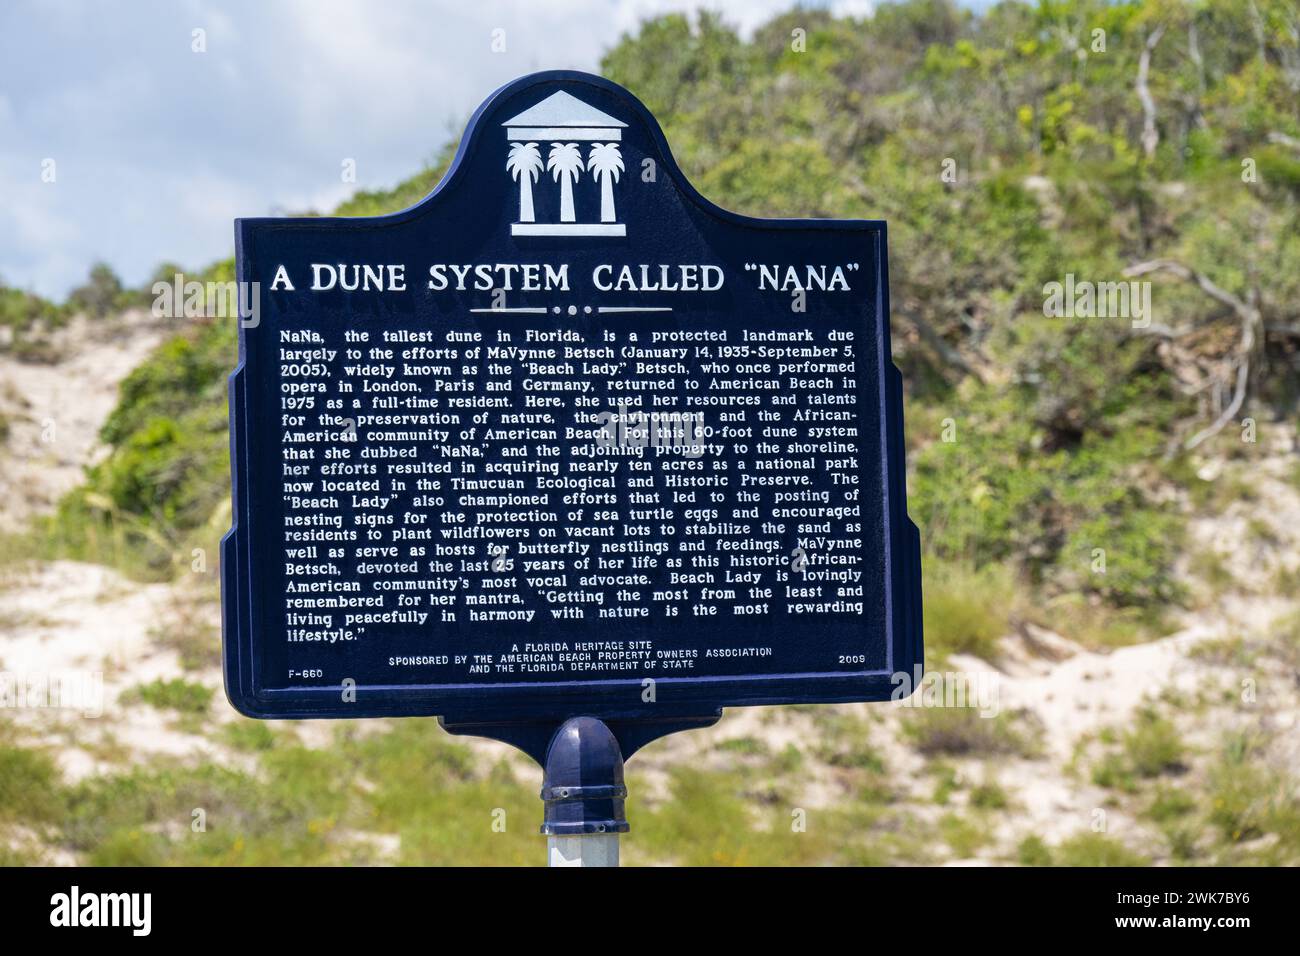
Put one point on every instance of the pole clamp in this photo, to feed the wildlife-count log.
(582, 786)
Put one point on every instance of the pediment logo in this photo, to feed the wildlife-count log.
(582, 158)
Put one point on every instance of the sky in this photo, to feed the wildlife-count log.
(127, 137)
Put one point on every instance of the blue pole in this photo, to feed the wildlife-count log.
(583, 794)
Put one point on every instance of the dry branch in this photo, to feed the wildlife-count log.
(1248, 315)
(1150, 135)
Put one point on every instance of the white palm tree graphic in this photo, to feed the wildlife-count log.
(565, 164)
(525, 165)
(607, 162)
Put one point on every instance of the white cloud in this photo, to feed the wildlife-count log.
(853, 8)
(159, 148)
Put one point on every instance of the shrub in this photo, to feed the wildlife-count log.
(966, 611)
(1094, 849)
(961, 732)
(1033, 851)
(29, 783)
(1153, 746)
(178, 694)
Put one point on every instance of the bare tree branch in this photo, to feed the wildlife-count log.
(1282, 139)
(1248, 314)
(1229, 413)
(1214, 291)
(1257, 27)
(1194, 54)
(927, 332)
(1150, 135)
(945, 351)
(1166, 331)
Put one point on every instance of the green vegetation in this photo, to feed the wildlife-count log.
(250, 736)
(1169, 805)
(403, 792)
(1230, 808)
(195, 639)
(27, 319)
(28, 777)
(102, 294)
(989, 796)
(966, 611)
(749, 746)
(380, 202)
(947, 781)
(710, 823)
(963, 835)
(149, 503)
(1094, 849)
(1151, 748)
(1032, 851)
(1036, 440)
(23, 315)
(736, 819)
(1251, 801)
(165, 488)
(1043, 447)
(963, 732)
(844, 740)
(1051, 475)
(178, 694)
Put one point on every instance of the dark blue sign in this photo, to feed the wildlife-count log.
(565, 438)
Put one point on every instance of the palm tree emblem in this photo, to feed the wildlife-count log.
(606, 162)
(565, 164)
(590, 145)
(525, 165)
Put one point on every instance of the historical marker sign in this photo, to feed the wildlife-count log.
(565, 438)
